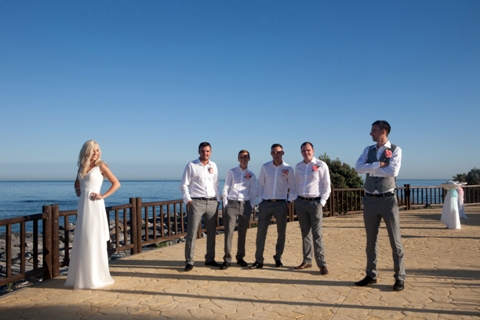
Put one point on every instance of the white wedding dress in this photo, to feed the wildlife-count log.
(88, 267)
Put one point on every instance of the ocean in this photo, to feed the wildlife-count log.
(19, 198)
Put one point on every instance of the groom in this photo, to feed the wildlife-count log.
(381, 164)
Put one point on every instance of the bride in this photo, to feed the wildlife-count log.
(88, 268)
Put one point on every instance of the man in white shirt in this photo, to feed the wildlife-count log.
(275, 190)
(239, 192)
(200, 192)
(312, 186)
(381, 164)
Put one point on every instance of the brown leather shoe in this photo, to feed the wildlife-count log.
(323, 270)
(304, 265)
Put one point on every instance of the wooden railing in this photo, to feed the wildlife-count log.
(139, 224)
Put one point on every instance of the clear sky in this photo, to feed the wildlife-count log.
(150, 80)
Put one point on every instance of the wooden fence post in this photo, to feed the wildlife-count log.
(407, 197)
(47, 242)
(139, 224)
(331, 200)
(291, 211)
(133, 226)
(55, 241)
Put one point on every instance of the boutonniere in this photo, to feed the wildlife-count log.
(315, 167)
(248, 176)
(388, 153)
(210, 170)
(285, 172)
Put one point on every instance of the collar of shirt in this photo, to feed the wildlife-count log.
(197, 161)
(283, 164)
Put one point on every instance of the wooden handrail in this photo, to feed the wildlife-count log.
(166, 221)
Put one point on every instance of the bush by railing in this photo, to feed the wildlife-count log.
(46, 249)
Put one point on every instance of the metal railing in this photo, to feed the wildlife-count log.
(139, 224)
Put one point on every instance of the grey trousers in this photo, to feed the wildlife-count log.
(267, 210)
(196, 210)
(235, 209)
(374, 209)
(310, 217)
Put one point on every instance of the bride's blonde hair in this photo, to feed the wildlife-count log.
(86, 154)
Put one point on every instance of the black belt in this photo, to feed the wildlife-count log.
(237, 201)
(310, 199)
(380, 195)
(205, 199)
(275, 200)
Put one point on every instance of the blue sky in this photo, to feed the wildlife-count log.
(150, 80)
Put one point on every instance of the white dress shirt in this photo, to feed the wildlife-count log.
(200, 181)
(312, 180)
(239, 185)
(276, 182)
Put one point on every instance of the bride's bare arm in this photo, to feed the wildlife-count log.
(113, 180)
(76, 185)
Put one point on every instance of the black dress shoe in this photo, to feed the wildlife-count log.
(212, 263)
(399, 285)
(278, 263)
(323, 270)
(256, 265)
(365, 281)
(188, 267)
(225, 265)
(242, 263)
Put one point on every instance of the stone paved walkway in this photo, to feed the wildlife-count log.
(443, 280)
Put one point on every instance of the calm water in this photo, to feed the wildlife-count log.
(18, 198)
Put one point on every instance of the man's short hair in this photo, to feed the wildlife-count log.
(383, 125)
(204, 144)
(244, 151)
(276, 145)
(305, 143)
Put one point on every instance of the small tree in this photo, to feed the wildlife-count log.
(342, 175)
(460, 177)
(471, 178)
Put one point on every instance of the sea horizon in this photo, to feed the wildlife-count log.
(26, 197)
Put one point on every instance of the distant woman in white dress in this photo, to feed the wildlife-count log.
(88, 267)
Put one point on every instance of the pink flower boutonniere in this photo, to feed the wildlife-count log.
(248, 176)
(210, 170)
(388, 153)
(285, 172)
(315, 168)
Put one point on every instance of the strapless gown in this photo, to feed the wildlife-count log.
(88, 267)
